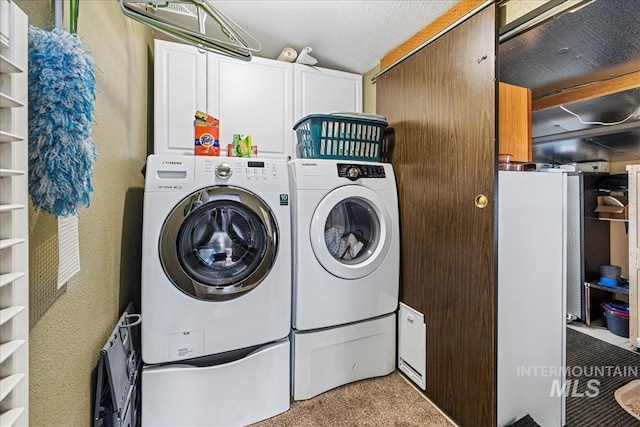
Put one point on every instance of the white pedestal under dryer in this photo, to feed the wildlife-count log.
(346, 265)
(216, 290)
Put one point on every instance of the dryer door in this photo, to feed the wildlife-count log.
(351, 232)
(218, 243)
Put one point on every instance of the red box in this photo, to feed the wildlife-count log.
(207, 139)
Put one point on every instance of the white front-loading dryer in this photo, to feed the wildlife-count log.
(216, 256)
(346, 242)
(346, 273)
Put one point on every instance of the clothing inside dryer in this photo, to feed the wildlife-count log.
(221, 242)
(352, 231)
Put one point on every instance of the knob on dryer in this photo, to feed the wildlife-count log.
(223, 170)
(353, 173)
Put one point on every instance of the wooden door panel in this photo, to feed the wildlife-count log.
(441, 103)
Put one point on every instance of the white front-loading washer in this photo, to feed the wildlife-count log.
(347, 242)
(346, 265)
(216, 290)
(216, 256)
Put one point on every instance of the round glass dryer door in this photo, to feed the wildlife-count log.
(351, 232)
(218, 243)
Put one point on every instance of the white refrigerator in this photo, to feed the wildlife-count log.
(537, 255)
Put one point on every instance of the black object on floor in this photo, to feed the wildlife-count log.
(526, 421)
(595, 370)
(117, 393)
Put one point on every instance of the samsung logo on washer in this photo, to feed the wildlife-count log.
(171, 162)
(309, 164)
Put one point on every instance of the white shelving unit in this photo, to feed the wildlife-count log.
(14, 220)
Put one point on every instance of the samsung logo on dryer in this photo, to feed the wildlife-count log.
(309, 164)
(171, 162)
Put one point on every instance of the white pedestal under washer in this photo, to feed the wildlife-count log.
(237, 393)
(216, 256)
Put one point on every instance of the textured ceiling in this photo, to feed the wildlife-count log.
(599, 41)
(348, 35)
(592, 44)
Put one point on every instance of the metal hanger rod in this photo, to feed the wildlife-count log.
(58, 13)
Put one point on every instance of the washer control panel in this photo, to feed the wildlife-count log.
(354, 172)
(256, 170)
(249, 170)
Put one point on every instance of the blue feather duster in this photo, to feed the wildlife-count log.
(61, 96)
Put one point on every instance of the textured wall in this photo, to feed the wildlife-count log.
(65, 342)
(369, 91)
(40, 12)
(515, 9)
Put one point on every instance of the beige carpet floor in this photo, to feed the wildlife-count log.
(628, 397)
(384, 401)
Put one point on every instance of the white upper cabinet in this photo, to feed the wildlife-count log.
(263, 98)
(180, 89)
(320, 90)
(252, 98)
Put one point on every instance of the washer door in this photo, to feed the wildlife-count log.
(351, 232)
(218, 243)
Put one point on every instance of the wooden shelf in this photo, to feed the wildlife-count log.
(10, 172)
(7, 66)
(9, 313)
(9, 137)
(596, 285)
(8, 384)
(11, 207)
(7, 278)
(7, 243)
(8, 102)
(613, 219)
(9, 417)
(595, 294)
(7, 349)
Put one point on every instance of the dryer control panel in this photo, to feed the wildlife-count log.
(354, 172)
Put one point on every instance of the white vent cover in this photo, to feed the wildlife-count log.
(412, 344)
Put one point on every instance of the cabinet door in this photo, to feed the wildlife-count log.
(252, 98)
(319, 90)
(179, 91)
(514, 121)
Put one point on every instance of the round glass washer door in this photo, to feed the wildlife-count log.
(350, 232)
(218, 243)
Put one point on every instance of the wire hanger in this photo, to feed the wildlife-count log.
(195, 22)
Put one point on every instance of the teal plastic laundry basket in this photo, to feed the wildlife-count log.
(339, 137)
